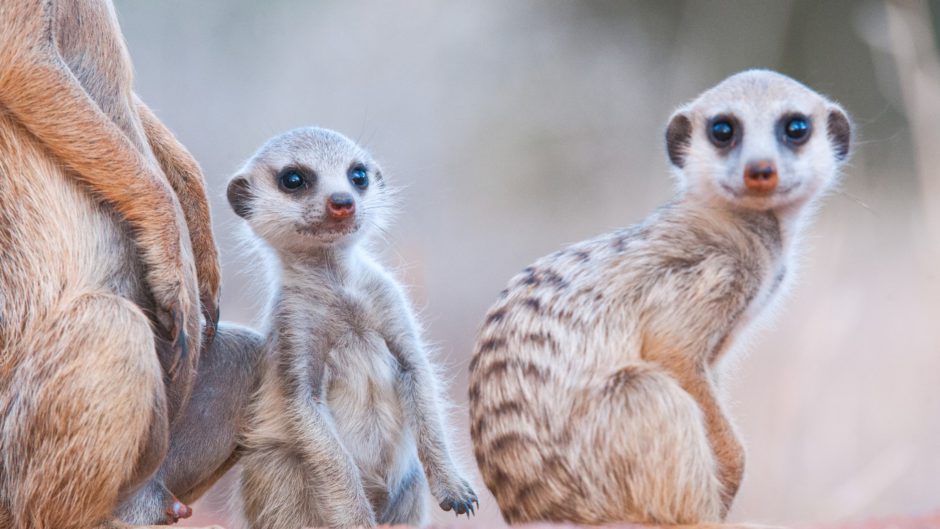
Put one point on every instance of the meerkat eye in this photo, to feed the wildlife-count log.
(359, 176)
(796, 129)
(291, 181)
(721, 132)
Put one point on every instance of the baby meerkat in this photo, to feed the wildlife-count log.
(594, 384)
(349, 408)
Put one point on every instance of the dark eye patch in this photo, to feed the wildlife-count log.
(358, 175)
(293, 179)
(794, 129)
(724, 131)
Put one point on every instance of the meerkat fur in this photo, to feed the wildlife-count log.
(595, 381)
(105, 241)
(347, 428)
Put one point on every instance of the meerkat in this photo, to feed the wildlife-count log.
(348, 427)
(594, 385)
(107, 260)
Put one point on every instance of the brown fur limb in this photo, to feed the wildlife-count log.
(42, 93)
(185, 176)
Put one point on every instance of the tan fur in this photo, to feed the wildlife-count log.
(95, 248)
(595, 383)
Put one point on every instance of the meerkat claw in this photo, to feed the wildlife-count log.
(210, 311)
(459, 507)
(177, 335)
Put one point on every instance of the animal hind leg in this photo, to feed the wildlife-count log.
(408, 504)
(84, 413)
(647, 440)
(274, 491)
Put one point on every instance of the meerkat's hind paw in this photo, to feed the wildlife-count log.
(177, 510)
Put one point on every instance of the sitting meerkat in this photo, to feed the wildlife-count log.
(594, 383)
(349, 408)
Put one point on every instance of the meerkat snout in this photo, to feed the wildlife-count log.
(341, 205)
(760, 176)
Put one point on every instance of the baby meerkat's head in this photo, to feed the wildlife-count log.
(309, 188)
(758, 140)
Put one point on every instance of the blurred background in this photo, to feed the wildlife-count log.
(515, 128)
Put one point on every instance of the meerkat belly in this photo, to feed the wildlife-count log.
(363, 399)
(53, 231)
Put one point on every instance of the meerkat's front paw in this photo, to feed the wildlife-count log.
(210, 311)
(209, 276)
(458, 497)
(175, 312)
(172, 318)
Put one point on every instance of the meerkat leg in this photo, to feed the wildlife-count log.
(729, 454)
(40, 92)
(635, 450)
(203, 440)
(273, 491)
(656, 453)
(421, 401)
(185, 176)
(83, 419)
(407, 505)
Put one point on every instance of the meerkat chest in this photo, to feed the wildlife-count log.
(361, 390)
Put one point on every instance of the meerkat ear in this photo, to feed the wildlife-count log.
(839, 129)
(239, 196)
(678, 138)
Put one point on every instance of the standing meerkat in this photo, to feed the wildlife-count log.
(349, 409)
(594, 383)
(105, 242)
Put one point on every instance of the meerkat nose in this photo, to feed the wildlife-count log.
(340, 205)
(760, 176)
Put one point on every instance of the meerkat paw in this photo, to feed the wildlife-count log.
(174, 313)
(209, 276)
(176, 511)
(210, 312)
(458, 497)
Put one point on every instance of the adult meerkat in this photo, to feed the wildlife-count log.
(594, 383)
(104, 232)
(349, 409)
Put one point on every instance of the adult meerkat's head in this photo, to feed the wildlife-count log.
(759, 140)
(308, 188)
